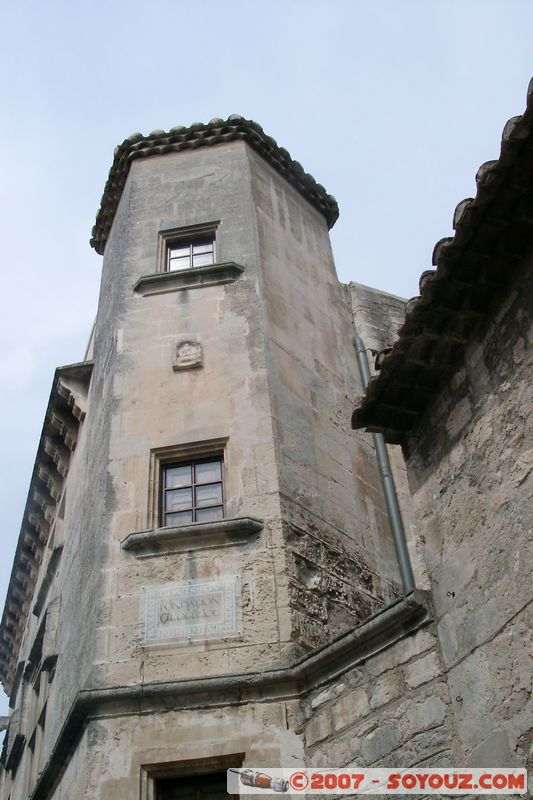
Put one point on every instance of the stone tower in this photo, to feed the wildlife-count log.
(201, 517)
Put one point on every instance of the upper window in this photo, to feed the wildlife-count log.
(184, 255)
(192, 492)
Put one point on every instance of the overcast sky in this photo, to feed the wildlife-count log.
(391, 104)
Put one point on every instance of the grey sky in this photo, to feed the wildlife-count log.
(391, 105)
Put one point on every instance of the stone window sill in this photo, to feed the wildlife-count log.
(193, 278)
(196, 535)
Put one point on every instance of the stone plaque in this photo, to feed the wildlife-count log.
(192, 611)
(189, 355)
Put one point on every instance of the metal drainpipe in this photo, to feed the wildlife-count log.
(395, 517)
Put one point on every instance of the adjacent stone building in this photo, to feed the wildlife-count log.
(456, 391)
(205, 575)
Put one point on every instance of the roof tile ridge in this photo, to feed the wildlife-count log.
(180, 137)
(488, 179)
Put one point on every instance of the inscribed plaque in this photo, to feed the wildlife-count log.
(196, 610)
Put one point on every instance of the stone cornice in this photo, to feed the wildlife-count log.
(217, 533)
(66, 409)
(194, 278)
(387, 627)
(217, 131)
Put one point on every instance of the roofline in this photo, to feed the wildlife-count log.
(460, 268)
(217, 131)
(26, 564)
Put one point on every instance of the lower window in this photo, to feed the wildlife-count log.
(192, 492)
(198, 787)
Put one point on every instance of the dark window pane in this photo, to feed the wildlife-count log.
(178, 499)
(178, 476)
(208, 472)
(178, 519)
(209, 495)
(201, 787)
(208, 514)
(177, 789)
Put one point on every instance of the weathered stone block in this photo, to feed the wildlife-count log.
(379, 743)
(421, 671)
(431, 741)
(427, 714)
(495, 749)
(401, 652)
(318, 728)
(349, 709)
(388, 687)
(328, 694)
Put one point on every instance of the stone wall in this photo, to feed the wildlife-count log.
(470, 469)
(341, 565)
(225, 401)
(391, 710)
(332, 590)
(114, 751)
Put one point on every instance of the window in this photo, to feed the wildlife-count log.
(184, 248)
(184, 255)
(202, 787)
(192, 492)
(196, 779)
(185, 466)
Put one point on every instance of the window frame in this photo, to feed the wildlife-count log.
(197, 781)
(190, 235)
(190, 246)
(163, 489)
(197, 767)
(208, 450)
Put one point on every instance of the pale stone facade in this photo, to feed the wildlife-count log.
(278, 634)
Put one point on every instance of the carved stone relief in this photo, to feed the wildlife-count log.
(189, 355)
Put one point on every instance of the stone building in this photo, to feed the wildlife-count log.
(205, 575)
